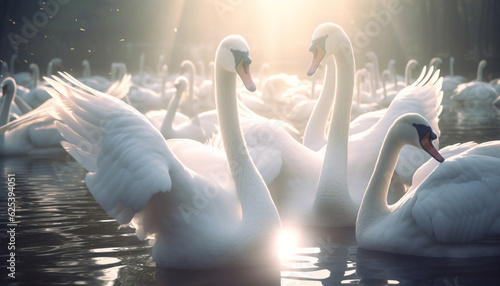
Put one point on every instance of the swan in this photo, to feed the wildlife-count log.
(34, 133)
(36, 96)
(359, 108)
(30, 134)
(375, 70)
(450, 83)
(22, 78)
(453, 212)
(188, 129)
(188, 107)
(399, 81)
(389, 92)
(475, 93)
(410, 66)
(314, 187)
(435, 62)
(95, 81)
(366, 132)
(53, 63)
(4, 72)
(221, 217)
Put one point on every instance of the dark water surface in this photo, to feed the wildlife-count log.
(63, 237)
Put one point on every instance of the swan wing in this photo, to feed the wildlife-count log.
(458, 202)
(127, 158)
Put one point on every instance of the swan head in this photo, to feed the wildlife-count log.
(8, 86)
(181, 83)
(232, 55)
(416, 131)
(56, 62)
(187, 66)
(327, 39)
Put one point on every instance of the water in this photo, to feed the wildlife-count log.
(63, 237)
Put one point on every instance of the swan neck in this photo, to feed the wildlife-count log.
(376, 71)
(408, 70)
(374, 203)
(35, 75)
(50, 69)
(13, 59)
(316, 126)
(256, 203)
(86, 70)
(167, 125)
(452, 62)
(334, 171)
(192, 75)
(480, 68)
(6, 107)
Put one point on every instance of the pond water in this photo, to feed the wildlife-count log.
(63, 237)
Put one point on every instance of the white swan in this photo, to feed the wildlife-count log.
(190, 128)
(450, 83)
(32, 133)
(453, 212)
(475, 93)
(410, 66)
(326, 187)
(368, 131)
(36, 96)
(95, 81)
(200, 220)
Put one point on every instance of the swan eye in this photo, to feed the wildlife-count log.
(319, 43)
(4, 90)
(240, 57)
(424, 130)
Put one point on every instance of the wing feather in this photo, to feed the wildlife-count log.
(127, 158)
(458, 202)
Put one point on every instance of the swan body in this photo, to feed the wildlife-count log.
(475, 93)
(199, 220)
(453, 212)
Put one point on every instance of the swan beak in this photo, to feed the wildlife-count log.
(318, 54)
(243, 70)
(426, 143)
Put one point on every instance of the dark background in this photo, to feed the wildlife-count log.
(278, 31)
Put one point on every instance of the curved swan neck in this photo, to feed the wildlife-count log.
(35, 74)
(480, 69)
(256, 203)
(167, 125)
(6, 107)
(374, 204)
(86, 69)
(13, 59)
(316, 126)
(452, 62)
(50, 68)
(333, 178)
(408, 71)
(376, 69)
(191, 70)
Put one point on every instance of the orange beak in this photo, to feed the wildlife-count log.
(427, 145)
(318, 55)
(243, 70)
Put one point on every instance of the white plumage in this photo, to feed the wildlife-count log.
(202, 216)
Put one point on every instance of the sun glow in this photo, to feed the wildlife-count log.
(288, 242)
